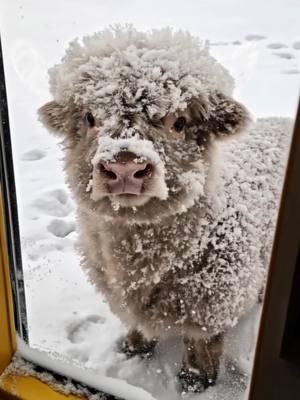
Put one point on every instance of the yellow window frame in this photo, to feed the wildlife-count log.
(13, 386)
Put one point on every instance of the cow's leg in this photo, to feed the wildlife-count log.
(135, 344)
(201, 363)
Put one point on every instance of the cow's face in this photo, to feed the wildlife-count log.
(138, 135)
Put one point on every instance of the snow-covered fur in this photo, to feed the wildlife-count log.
(188, 255)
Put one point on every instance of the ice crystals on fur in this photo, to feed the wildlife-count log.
(167, 69)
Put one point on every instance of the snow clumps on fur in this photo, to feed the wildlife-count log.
(163, 65)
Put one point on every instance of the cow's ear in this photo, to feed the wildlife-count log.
(225, 117)
(53, 116)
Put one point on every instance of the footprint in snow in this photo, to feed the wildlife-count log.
(296, 45)
(55, 203)
(77, 329)
(284, 54)
(60, 228)
(33, 155)
(219, 43)
(277, 46)
(254, 37)
(292, 71)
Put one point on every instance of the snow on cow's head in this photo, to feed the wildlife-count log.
(139, 112)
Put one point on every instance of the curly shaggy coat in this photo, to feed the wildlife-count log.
(188, 255)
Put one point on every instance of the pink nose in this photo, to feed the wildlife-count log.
(126, 177)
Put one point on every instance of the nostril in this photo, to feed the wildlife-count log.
(108, 173)
(142, 173)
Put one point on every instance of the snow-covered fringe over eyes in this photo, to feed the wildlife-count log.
(163, 65)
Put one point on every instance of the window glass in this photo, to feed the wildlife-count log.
(152, 205)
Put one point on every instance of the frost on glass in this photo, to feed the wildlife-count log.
(152, 207)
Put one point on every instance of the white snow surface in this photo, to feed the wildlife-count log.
(66, 315)
(74, 371)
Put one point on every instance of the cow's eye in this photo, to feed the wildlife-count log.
(179, 124)
(90, 120)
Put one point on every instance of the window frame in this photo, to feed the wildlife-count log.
(268, 352)
(9, 206)
(12, 294)
(276, 375)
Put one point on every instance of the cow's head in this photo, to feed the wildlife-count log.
(139, 114)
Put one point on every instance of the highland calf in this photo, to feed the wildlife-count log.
(175, 222)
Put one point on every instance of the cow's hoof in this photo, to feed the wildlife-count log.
(192, 380)
(144, 350)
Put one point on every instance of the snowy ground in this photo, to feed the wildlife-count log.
(259, 42)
